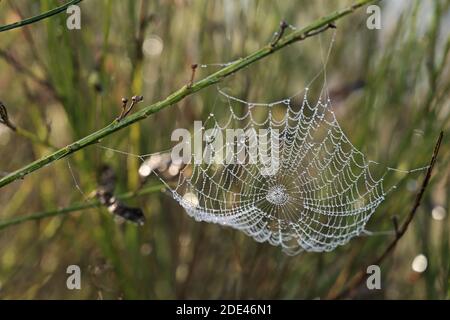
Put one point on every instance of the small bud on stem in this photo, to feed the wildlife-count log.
(191, 81)
(125, 111)
(279, 34)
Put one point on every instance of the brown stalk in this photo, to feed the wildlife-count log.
(359, 278)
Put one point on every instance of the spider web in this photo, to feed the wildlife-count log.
(321, 195)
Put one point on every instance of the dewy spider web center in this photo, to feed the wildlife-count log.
(277, 195)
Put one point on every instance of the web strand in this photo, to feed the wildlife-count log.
(75, 182)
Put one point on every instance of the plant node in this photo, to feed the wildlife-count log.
(125, 110)
(191, 81)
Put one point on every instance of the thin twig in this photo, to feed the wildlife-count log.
(193, 69)
(4, 120)
(322, 29)
(179, 95)
(29, 38)
(19, 67)
(11, 59)
(76, 207)
(359, 278)
(39, 17)
(280, 33)
(124, 109)
(134, 100)
(396, 228)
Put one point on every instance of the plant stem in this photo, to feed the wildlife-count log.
(76, 207)
(39, 17)
(359, 278)
(185, 91)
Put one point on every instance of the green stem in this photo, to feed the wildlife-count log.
(39, 17)
(76, 207)
(185, 91)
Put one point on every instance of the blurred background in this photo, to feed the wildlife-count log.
(390, 91)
